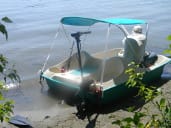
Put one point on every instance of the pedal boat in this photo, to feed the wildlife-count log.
(103, 73)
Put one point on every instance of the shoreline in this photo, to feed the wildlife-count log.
(57, 114)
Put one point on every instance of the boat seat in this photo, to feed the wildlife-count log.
(114, 67)
(90, 67)
(134, 50)
(72, 62)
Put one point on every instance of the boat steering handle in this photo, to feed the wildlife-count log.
(78, 34)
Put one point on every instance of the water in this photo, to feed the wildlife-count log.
(35, 23)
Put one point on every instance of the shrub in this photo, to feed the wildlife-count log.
(6, 105)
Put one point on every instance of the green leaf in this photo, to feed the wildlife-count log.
(7, 20)
(1, 97)
(169, 38)
(3, 30)
(134, 83)
(131, 109)
(137, 117)
(128, 119)
(1, 68)
(162, 103)
(167, 51)
(140, 125)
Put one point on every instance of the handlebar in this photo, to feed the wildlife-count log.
(78, 34)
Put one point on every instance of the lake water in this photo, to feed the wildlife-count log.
(35, 24)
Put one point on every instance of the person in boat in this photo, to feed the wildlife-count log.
(134, 45)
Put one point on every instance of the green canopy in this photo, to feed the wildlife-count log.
(81, 21)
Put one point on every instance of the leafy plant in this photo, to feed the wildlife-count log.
(164, 107)
(169, 37)
(6, 106)
(135, 80)
(131, 122)
(168, 50)
(2, 26)
(160, 120)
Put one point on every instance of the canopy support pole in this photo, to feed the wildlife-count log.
(49, 54)
(104, 60)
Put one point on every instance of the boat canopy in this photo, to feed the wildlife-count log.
(81, 21)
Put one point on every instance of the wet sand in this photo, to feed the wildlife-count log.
(45, 110)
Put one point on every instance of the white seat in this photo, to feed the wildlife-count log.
(114, 67)
(133, 50)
